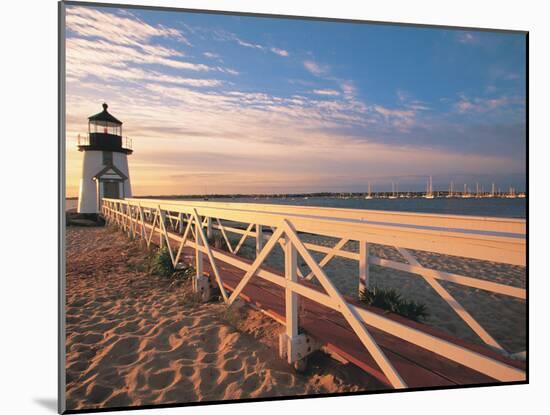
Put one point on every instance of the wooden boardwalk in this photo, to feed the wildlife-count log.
(417, 366)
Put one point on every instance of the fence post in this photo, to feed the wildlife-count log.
(198, 253)
(209, 228)
(291, 298)
(131, 219)
(363, 266)
(201, 283)
(142, 225)
(161, 239)
(294, 346)
(259, 238)
(180, 223)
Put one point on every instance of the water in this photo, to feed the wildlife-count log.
(505, 208)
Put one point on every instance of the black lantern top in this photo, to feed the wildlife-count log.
(105, 134)
(104, 122)
(104, 116)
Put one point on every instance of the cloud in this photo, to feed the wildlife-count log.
(211, 55)
(248, 44)
(85, 57)
(401, 119)
(326, 92)
(228, 70)
(484, 104)
(280, 52)
(127, 44)
(348, 88)
(315, 68)
(119, 55)
(228, 36)
(120, 29)
(406, 100)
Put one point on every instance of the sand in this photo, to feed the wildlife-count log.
(140, 339)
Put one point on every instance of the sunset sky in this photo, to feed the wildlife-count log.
(228, 104)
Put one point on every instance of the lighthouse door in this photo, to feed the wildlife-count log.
(110, 190)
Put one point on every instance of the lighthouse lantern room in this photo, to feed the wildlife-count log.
(105, 163)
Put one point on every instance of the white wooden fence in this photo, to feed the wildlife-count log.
(489, 239)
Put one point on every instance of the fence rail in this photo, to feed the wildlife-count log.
(181, 224)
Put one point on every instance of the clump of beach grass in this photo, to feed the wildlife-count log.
(391, 300)
(160, 263)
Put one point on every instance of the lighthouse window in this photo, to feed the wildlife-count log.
(107, 158)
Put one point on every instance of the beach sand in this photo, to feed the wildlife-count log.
(140, 339)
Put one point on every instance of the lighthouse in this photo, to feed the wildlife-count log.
(105, 171)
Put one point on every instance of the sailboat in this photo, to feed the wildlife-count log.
(450, 194)
(393, 194)
(478, 195)
(466, 194)
(369, 195)
(429, 190)
(511, 193)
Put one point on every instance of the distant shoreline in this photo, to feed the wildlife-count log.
(322, 194)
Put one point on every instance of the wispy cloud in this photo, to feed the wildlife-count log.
(118, 55)
(225, 36)
(348, 88)
(249, 44)
(326, 92)
(211, 55)
(466, 104)
(315, 68)
(409, 102)
(280, 52)
(401, 119)
(121, 29)
(128, 45)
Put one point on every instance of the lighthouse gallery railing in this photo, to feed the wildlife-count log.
(490, 239)
(84, 140)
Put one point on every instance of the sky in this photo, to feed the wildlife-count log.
(233, 104)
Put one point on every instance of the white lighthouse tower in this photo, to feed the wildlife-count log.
(105, 166)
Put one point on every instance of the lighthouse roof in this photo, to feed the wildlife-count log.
(104, 116)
